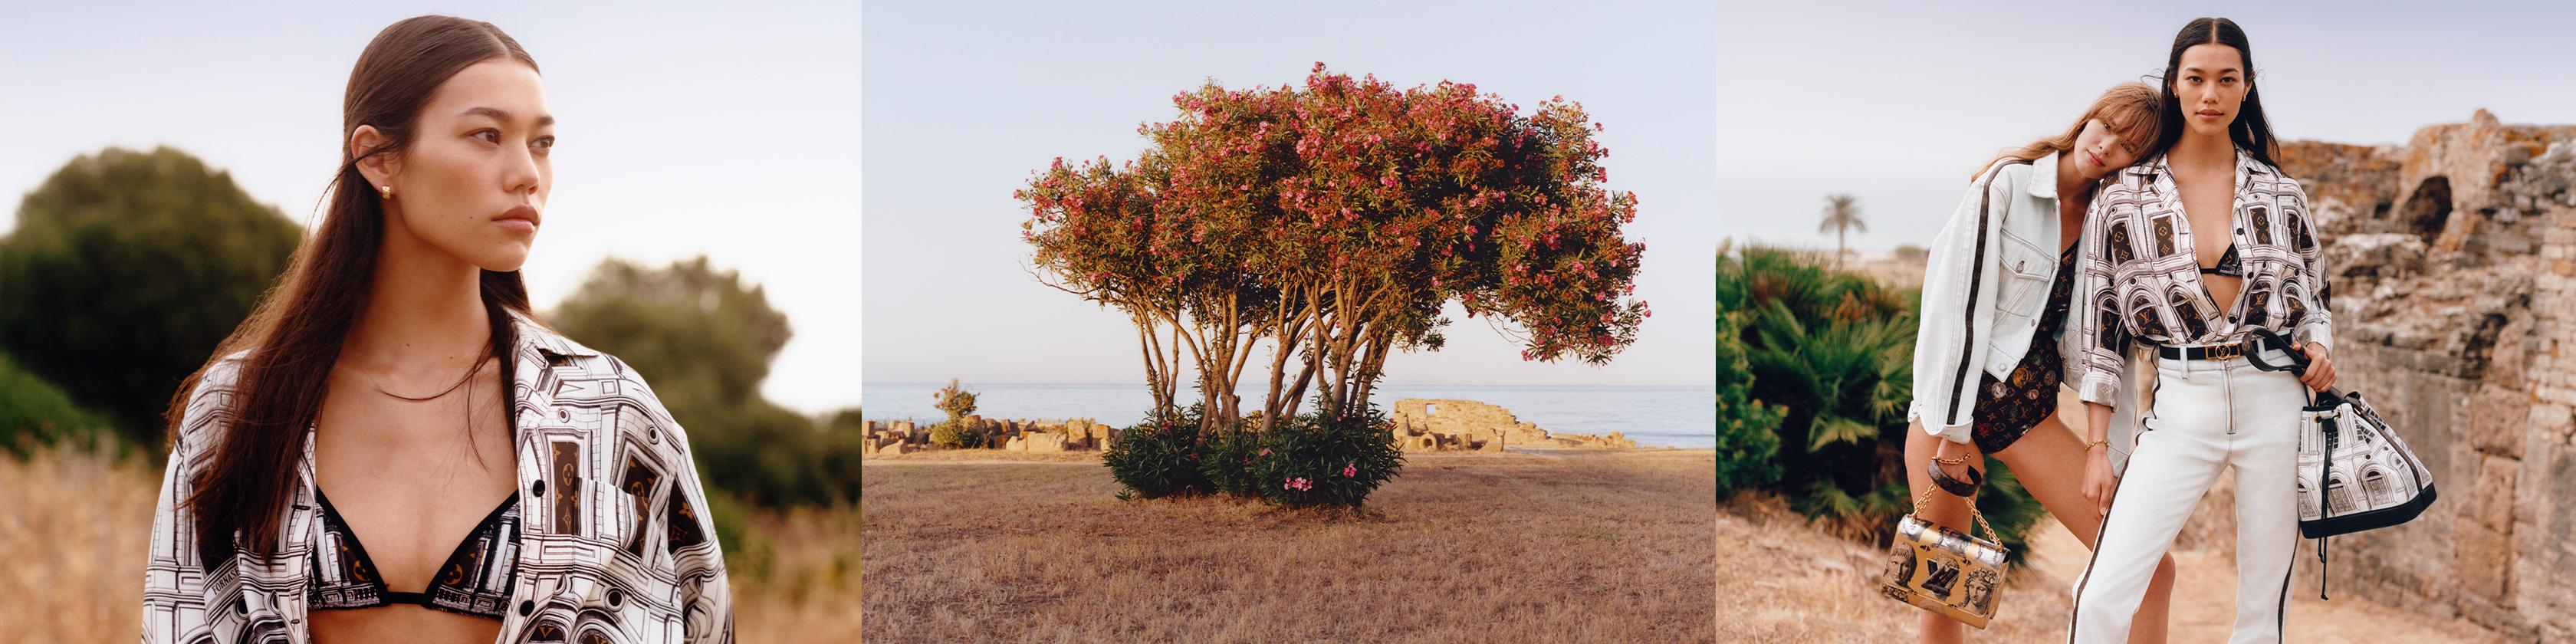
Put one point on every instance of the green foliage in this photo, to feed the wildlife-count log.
(955, 434)
(1748, 442)
(1834, 353)
(1226, 459)
(955, 400)
(36, 414)
(703, 336)
(1322, 460)
(704, 341)
(1160, 457)
(125, 270)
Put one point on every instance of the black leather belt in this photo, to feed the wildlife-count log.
(2212, 352)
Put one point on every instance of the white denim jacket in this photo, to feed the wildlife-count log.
(1981, 305)
(615, 543)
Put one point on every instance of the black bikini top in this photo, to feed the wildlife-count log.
(2228, 265)
(474, 581)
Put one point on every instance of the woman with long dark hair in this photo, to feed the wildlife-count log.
(2185, 254)
(392, 447)
(1987, 360)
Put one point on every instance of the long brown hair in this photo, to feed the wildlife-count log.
(293, 337)
(2129, 109)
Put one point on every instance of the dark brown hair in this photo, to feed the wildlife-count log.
(293, 337)
(2251, 132)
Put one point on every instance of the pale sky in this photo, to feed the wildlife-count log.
(964, 103)
(1898, 103)
(684, 130)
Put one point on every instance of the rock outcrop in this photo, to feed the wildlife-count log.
(2453, 269)
(1081, 434)
(1432, 424)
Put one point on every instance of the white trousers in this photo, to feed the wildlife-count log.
(2207, 415)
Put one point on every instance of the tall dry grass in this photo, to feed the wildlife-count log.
(74, 527)
(1588, 546)
(75, 524)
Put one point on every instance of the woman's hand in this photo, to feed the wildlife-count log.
(2320, 373)
(2098, 481)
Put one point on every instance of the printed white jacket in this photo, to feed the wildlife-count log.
(615, 543)
(1981, 304)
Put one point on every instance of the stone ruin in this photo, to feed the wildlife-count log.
(1429, 425)
(2452, 262)
(904, 436)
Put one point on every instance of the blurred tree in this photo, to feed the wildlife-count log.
(126, 269)
(36, 414)
(1842, 214)
(704, 341)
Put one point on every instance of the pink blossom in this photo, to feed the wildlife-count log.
(1350, 470)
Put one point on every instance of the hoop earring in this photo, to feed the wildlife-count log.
(386, 191)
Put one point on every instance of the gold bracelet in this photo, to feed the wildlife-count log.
(2105, 443)
(1954, 460)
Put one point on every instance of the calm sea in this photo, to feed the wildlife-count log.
(1666, 416)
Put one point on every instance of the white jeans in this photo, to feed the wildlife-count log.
(2207, 415)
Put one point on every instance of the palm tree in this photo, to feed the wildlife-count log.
(1842, 213)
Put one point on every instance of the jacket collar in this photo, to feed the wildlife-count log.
(2043, 177)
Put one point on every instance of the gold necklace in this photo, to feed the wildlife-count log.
(469, 377)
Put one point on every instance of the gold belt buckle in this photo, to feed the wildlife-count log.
(2224, 351)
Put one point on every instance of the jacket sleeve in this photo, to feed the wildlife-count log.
(2099, 327)
(706, 596)
(175, 601)
(1959, 285)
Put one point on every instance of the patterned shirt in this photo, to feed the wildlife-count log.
(2141, 278)
(613, 545)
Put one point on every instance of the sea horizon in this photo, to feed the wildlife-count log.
(1653, 415)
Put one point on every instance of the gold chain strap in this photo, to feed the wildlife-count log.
(1989, 528)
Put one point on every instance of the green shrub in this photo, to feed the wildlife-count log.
(955, 434)
(1319, 460)
(1159, 457)
(1226, 460)
(35, 414)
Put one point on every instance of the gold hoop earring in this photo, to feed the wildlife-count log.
(386, 191)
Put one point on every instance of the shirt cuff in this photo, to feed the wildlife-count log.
(2100, 387)
(2317, 332)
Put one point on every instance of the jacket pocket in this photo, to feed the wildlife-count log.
(2026, 272)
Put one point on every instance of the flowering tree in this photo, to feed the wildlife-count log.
(1335, 220)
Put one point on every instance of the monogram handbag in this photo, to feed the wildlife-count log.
(2355, 473)
(1943, 570)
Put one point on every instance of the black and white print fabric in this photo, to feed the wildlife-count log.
(2141, 278)
(613, 543)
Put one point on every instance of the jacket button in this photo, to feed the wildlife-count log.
(539, 489)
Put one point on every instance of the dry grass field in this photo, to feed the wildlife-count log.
(1560, 546)
(74, 527)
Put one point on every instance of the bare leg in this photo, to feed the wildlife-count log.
(2049, 461)
(1943, 510)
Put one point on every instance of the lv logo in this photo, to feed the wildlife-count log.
(1943, 575)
